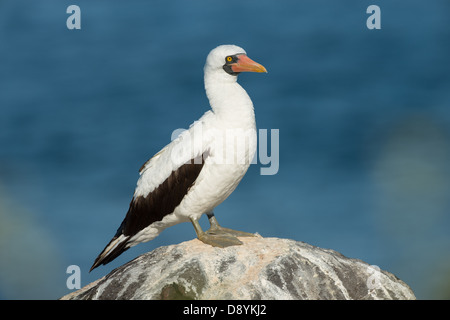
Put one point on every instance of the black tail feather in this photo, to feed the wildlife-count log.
(106, 256)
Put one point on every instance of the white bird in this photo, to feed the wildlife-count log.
(201, 168)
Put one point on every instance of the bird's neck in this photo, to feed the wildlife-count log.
(228, 100)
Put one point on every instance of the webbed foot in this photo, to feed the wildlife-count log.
(218, 236)
(221, 240)
(215, 227)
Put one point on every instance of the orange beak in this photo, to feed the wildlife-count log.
(244, 63)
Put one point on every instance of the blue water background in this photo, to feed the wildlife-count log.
(363, 118)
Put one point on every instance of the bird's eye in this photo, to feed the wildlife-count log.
(229, 58)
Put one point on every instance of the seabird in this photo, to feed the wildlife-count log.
(198, 170)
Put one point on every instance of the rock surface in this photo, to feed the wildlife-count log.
(261, 268)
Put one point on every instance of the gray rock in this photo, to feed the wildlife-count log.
(261, 268)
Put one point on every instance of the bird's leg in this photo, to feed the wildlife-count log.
(214, 239)
(217, 229)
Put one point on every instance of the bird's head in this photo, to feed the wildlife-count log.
(232, 60)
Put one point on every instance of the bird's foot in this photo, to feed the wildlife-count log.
(218, 229)
(221, 240)
(236, 233)
(223, 237)
(218, 236)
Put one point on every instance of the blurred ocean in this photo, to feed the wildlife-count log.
(363, 118)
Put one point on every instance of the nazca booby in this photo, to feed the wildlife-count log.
(193, 174)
